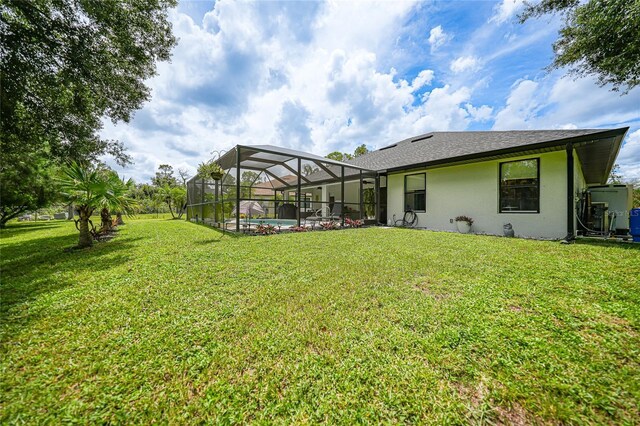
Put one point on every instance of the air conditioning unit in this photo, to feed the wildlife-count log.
(600, 216)
(619, 201)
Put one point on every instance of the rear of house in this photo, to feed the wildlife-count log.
(526, 191)
(534, 180)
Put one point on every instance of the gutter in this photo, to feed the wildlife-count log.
(558, 143)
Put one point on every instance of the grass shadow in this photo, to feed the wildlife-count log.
(42, 265)
(219, 231)
(209, 241)
(19, 228)
(624, 245)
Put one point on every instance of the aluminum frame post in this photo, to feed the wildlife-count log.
(298, 198)
(377, 198)
(362, 216)
(238, 189)
(342, 195)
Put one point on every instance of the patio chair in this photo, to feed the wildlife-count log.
(320, 215)
(325, 214)
(409, 219)
(336, 212)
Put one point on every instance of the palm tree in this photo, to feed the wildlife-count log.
(117, 200)
(89, 188)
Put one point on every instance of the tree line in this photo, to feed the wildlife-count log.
(65, 67)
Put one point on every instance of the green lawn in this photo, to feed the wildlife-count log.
(173, 323)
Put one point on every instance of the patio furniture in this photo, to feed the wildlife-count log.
(409, 219)
(250, 208)
(318, 216)
(287, 211)
(324, 214)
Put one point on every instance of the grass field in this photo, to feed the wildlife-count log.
(171, 322)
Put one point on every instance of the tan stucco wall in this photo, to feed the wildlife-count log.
(472, 190)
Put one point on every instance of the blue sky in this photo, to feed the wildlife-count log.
(325, 76)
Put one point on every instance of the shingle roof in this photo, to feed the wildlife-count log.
(266, 188)
(596, 148)
(446, 147)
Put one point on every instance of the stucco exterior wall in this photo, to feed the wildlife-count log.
(351, 193)
(472, 190)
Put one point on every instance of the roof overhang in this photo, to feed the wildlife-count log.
(597, 153)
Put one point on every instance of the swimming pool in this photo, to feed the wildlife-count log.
(284, 223)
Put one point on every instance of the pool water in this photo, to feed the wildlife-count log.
(274, 222)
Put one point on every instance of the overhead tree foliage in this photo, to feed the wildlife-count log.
(615, 176)
(65, 65)
(339, 156)
(308, 169)
(345, 156)
(361, 150)
(164, 176)
(600, 37)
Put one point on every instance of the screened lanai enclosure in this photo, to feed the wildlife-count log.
(265, 184)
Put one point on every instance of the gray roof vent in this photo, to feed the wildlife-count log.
(388, 147)
(421, 138)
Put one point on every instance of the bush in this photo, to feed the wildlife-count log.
(464, 219)
(263, 229)
(327, 226)
(353, 223)
(299, 229)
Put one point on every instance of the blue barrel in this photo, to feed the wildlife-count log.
(634, 224)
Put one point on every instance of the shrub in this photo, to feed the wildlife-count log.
(267, 229)
(298, 229)
(464, 219)
(329, 225)
(353, 223)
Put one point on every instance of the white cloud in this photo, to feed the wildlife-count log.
(238, 77)
(565, 103)
(424, 78)
(465, 63)
(520, 109)
(629, 158)
(293, 129)
(583, 103)
(437, 38)
(506, 10)
(443, 109)
(313, 76)
(483, 113)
